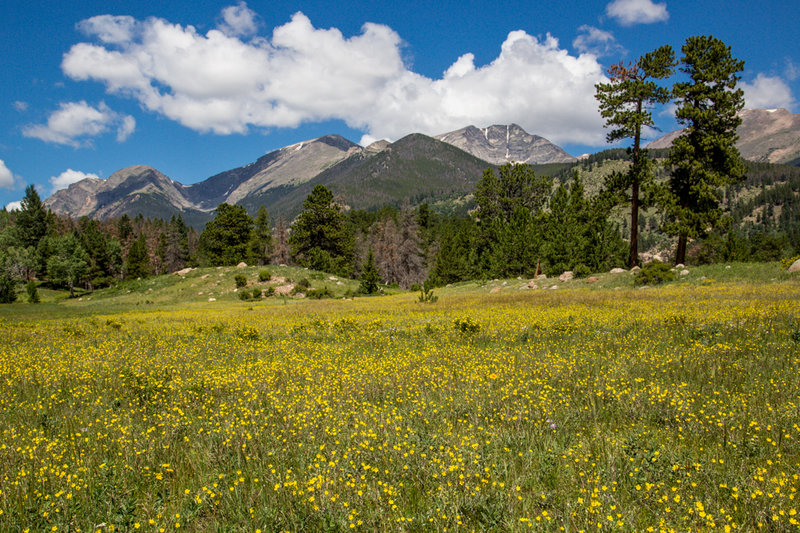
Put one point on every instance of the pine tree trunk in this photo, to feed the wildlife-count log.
(680, 254)
(633, 258)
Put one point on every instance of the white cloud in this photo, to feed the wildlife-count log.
(238, 21)
(767, 92)
(630, 12)
(6, 176)
(792, 70)
(217, 82)
(68, 177)
(21, 106)
(13, 206)
(595, 41)
(75, 123)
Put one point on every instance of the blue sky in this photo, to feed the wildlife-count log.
(196, 88)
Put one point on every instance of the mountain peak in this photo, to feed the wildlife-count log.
(505, 143)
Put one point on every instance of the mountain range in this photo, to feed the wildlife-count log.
(414, 169)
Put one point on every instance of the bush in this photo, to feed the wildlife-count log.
(319, 294)
(264, 275)
(256, 292)
(8, 292)
(653, 273)
(33, 292)
(466, 325)
(581, 271)
(426, 293)
(241, 280)
(270, 291)
(244, 295)
(304, 283)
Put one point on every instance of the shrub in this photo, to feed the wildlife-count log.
(786, 263)
(264, 275)
(8, 293)
(33, 292)
(256, 292)
(241, 280)
(581, 271)
(304, 283)
(244, 295)
(248, 333)
(653, 273)
(426, 293)
(466, 325)
(319, 294)
(270, 291)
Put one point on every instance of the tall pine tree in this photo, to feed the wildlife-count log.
(625, 103)
(705, 158)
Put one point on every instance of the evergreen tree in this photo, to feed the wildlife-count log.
(369, 276)
(261, 241)
(625, 104)
(705, 157)
(320, 237)
(138, 261)
(8, 289)
(69, 265)
(225, 238)
(513, 197)
(31, 219)
(455, 257)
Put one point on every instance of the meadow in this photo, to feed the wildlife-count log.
(586, 408)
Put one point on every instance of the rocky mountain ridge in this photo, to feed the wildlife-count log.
(500, 144)
(330, 159)
(765, 135)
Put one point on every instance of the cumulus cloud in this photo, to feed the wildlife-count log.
(792, 70)
(220, 83)
(6, 176)
(13, 206)
(591, 40)
(767, 92)
(76, 123)
(68, 177)
(238, 21)
(630, 12)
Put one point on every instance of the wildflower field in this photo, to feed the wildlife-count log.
(671, 409)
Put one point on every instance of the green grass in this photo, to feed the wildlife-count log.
(545, 410)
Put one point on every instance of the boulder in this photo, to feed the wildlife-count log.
(566, 276)
(241, 265)
(635, 269)
(532, 285)
(284, 289)
(495, 290)
(795, 267)
(680, 266)
(554, 287)
(183, 272)
(541, 276)
(684, 272)
(617, 270)
(592, 279)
